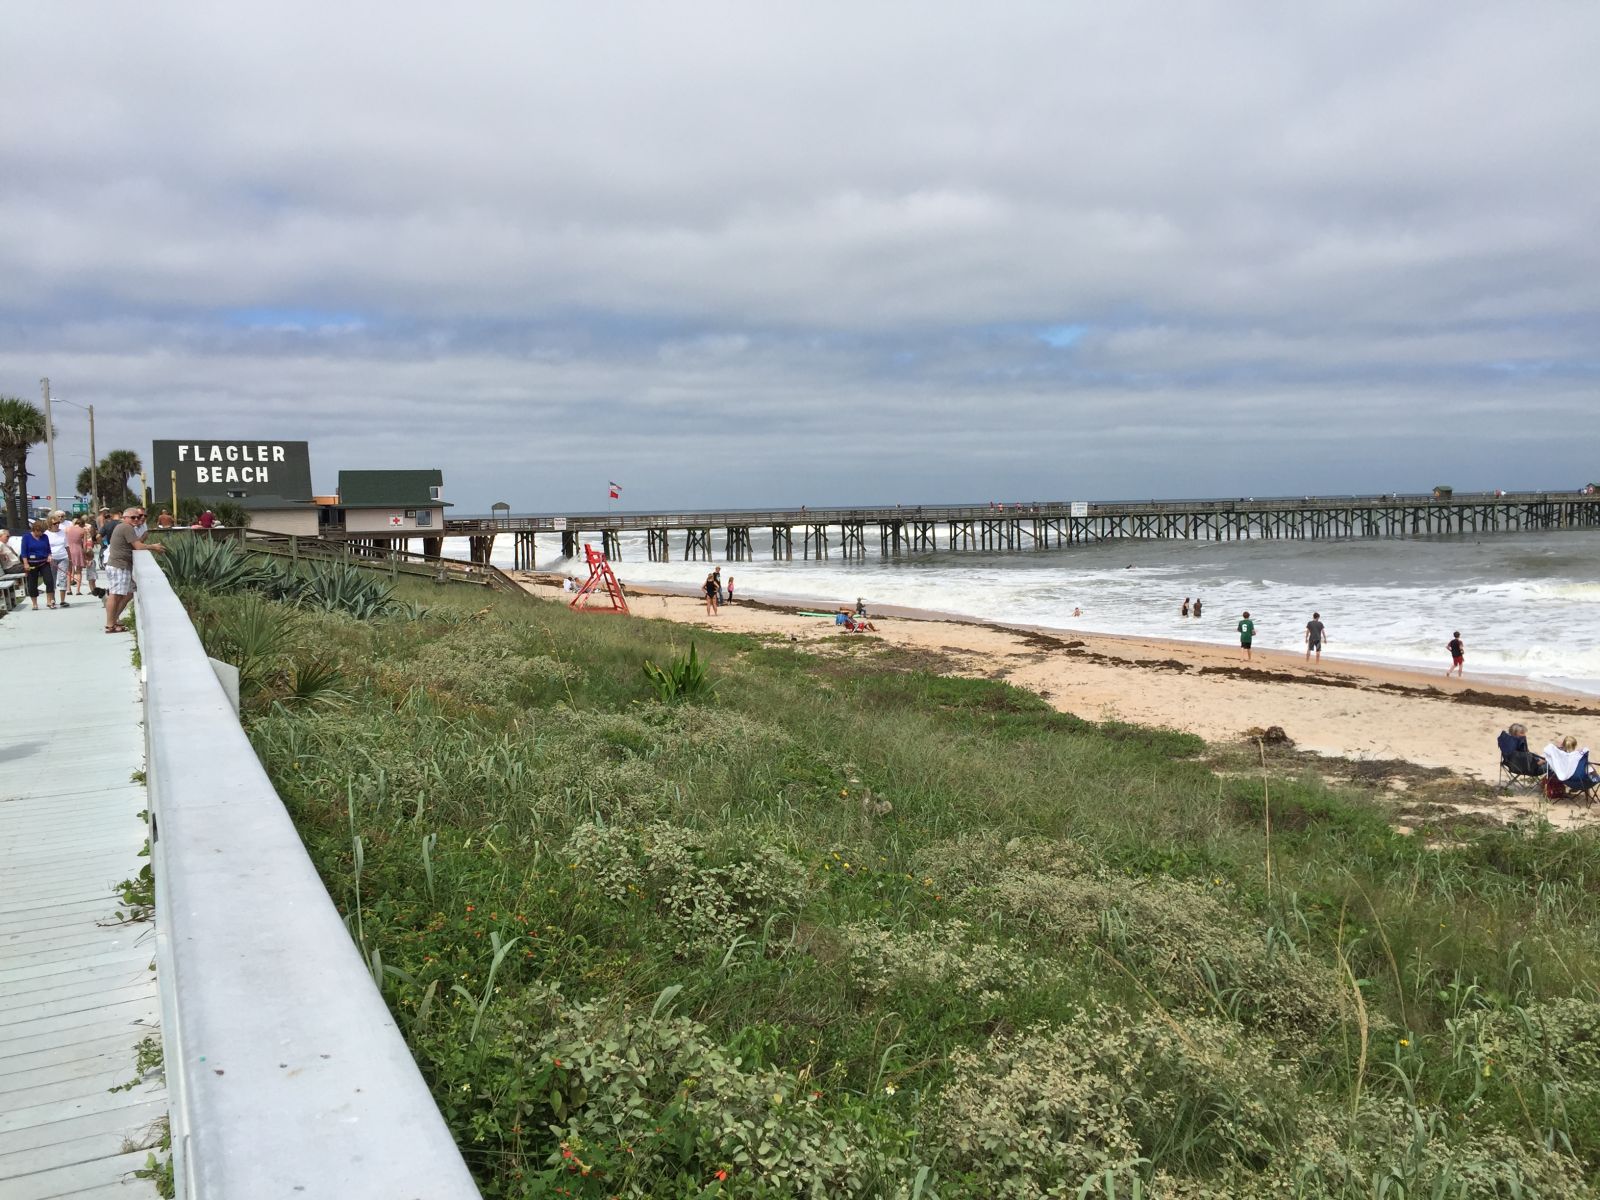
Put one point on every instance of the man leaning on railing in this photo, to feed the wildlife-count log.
(127, 537)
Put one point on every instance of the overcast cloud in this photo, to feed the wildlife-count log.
(749, 254)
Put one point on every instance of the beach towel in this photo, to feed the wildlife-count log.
(1564, 764)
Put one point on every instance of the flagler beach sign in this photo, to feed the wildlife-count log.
(234, 469)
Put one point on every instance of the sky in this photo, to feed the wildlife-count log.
(747, 254)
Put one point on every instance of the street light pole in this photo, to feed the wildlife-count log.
(94, 467)
(49, 441)
(94, 463)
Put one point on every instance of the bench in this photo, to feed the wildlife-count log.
(11, 592)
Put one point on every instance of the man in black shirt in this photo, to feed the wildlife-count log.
(1315, 631)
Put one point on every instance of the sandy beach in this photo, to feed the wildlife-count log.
(1349, 713)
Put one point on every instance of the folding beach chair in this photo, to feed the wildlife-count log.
(1521, 769)
(1584, 780)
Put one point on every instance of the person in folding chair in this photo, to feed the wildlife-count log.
(1519, 766)
(1568, 765)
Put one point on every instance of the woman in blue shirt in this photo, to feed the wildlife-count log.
(37, 565)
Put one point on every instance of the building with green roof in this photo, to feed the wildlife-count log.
(397, 503)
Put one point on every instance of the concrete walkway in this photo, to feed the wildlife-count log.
(77, 992)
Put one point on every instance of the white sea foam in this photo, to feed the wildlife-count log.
(1526, 605)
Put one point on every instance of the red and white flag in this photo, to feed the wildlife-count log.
(616, 490)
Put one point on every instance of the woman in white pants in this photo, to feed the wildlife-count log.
(56, 531)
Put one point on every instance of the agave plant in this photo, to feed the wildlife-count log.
(217, 566)
(334, 587)
(682, 679)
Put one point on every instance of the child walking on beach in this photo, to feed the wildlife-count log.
(1458, 654)
(1247, 634)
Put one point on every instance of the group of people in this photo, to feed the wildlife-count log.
(716, 592)
(1564, 765)
(855, 621)
(1316, 636)
(1190, 608)
(61, 557)
(55, 554)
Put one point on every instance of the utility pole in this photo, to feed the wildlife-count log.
(50, 441)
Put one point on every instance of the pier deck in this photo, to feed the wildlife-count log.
(850, 533)
(77, 992)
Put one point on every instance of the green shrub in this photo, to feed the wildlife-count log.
(490, 664)
(947, 956)
(710, 895)
(648, 1104)
(1180, 937)
(229, 513)
(1043, 1112)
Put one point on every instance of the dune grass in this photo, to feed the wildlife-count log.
(845, 929)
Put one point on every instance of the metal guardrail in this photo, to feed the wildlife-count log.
(286, 1074)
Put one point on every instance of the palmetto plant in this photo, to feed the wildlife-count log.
(253, 635)
(21, 427)
(316, 681)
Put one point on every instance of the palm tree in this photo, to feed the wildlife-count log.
(119, 466)
(21, 426)
(111, 492)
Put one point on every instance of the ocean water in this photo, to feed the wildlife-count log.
(1527, 605)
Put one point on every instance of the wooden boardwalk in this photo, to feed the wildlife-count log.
(77, 992)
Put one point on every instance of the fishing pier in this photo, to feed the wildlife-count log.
(853, 533)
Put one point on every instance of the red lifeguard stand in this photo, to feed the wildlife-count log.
(601, 580)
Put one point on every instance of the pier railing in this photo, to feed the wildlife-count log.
(387, 558)
(754, 517)
(286, 1073)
